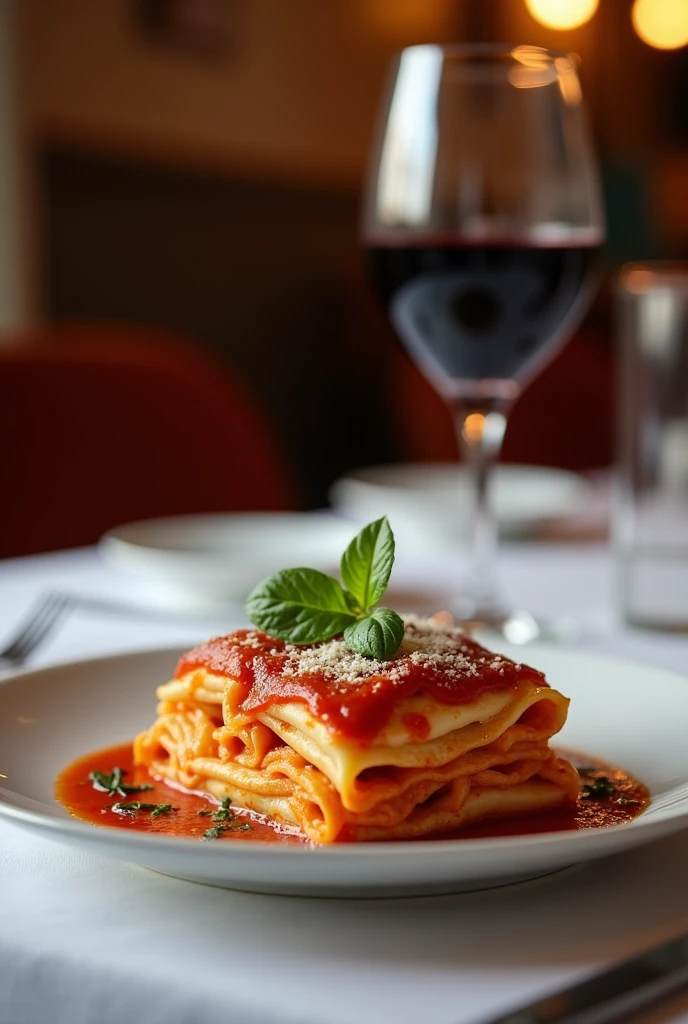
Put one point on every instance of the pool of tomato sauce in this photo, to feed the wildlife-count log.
(75, 791)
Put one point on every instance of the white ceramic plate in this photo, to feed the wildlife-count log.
(427, 501)
(202, 561)
(630, 714)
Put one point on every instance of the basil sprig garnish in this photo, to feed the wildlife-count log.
(304, 606)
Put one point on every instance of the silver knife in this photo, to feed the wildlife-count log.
(613, 995)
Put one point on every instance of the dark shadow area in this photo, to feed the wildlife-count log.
(266, 275)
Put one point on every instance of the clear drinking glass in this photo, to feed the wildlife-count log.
(651, 507)
(481, 221)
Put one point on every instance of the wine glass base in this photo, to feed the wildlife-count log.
(516, 625)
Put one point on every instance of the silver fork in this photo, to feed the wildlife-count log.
(39, 623)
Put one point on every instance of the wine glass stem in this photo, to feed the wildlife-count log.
(480, 430)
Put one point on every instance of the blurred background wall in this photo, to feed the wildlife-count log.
(197, 165)
(13, 300)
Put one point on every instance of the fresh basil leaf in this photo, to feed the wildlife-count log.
(367, 563)
(302, 606)
(353, 604)
(377, 636)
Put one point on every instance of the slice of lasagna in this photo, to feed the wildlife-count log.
(348, 748)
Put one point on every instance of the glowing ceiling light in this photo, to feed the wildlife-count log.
(562, 14)
(661, 23)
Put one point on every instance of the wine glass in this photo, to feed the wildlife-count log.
(482, 219)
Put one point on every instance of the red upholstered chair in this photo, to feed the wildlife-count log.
(103, 425)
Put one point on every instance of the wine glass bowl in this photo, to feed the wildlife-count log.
(481, 222)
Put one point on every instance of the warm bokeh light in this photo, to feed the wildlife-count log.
(562, 14)
(531, 78)
(568, 81)
(474, 427)
(535, 67)
(532, 56)
(661, 23)
(638, 281)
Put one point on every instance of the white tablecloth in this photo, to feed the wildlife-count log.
(86, 940)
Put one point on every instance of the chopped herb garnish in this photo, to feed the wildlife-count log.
(162, 809)
(224, 814)
(133, 806)
(113, 785)
(204, 813)
(215, 831)
(601, 789)
(110, 784)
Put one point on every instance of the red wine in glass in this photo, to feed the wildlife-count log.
(470, 311)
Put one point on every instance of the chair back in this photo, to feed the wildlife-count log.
(100, 426)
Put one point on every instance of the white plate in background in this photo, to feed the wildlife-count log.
(200, 561)
(429, 503)
(633, 715)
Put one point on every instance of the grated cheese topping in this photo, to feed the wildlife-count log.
(427, 644)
